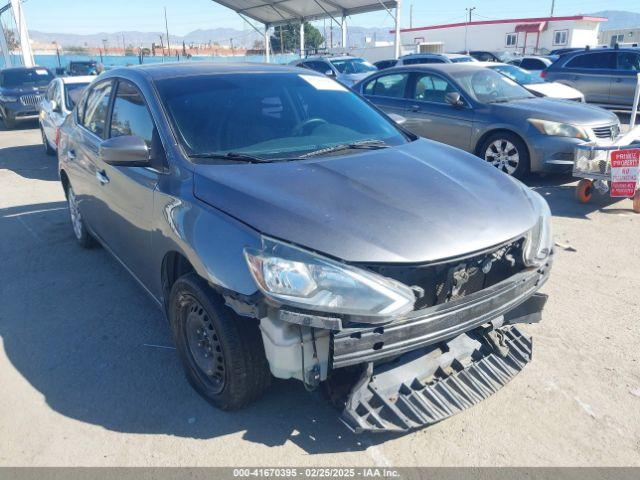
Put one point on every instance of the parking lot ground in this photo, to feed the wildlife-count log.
(89, 378)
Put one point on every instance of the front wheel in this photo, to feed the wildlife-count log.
(222, 354)
(9, 123)
(47, 147)
(507, 152)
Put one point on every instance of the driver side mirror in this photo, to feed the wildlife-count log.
(125, 151)
(454, 99)
(55, 106)
(330, 73)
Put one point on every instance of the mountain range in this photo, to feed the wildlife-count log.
(246, 38)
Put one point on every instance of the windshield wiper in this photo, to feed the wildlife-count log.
(361, 145)
(241, 157)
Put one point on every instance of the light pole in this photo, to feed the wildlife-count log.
(466, 28)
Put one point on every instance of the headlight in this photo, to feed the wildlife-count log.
(305, 280)
(8, 98)
(557, 129)
(591, 161)
(539, 240)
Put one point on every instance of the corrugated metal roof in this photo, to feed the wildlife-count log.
(277, 12)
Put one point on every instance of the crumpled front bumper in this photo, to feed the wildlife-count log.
(429, 385)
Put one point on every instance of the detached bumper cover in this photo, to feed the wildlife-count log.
(426, 387)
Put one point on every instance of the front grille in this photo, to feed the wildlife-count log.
(609, 131)
(31, 100)
(437, 283)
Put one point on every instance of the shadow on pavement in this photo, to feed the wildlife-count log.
(84, 335)
(29, 161)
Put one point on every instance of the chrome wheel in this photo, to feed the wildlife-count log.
(44, 141)
(74, 213)
(503, 155)
(204, 343)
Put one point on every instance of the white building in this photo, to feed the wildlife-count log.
(621, 36)
(516, 35)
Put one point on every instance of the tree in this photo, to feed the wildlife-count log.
(12, 43)
(290, 34)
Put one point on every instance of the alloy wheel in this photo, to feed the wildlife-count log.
(74, 213)
(503, 155)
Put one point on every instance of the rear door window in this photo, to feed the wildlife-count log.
(432, 88)
(320, 67)
(593, 61)
(96, 109)
(393, 85)
(533, 64)
(422, 60)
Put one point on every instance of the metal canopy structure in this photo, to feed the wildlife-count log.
(272, 13)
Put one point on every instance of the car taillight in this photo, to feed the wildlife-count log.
(57, 137)
(543, 74)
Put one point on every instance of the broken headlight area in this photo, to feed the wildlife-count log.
(292, 277)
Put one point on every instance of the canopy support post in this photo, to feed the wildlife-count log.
(267, 44)
(302, 49)
(23, 33)
(397, 32)
(343, 25)
(5, 48)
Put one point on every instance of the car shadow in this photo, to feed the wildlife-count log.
(29, 161)
(559, 191)
(79, 329)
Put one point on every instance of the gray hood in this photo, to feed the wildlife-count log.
(574, 113)
(419, 202)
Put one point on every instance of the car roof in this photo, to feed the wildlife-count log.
(158, 71)
(455, 55)
(462, 67)
(78, 79)
(15, 69)
(492, 64)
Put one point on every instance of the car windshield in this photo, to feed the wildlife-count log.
(518, 74)
(83, 68)
(462, 59)
(73, 92)
(27, 77)
(487, 86)
(271, 116)
(353, 65)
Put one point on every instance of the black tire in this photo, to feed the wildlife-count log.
(9, 123)
(47, 148)
(80, 232)
(523, 165)
(239, 372)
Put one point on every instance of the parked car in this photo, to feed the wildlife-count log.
(83, 68)
(533, 64)
(605, 76)
(485, 56)
(62, 95)
(535, 84)
(346, 70)
(383, 64)
(481, 111)
(426, 58)
(287, 228)
(21, 91)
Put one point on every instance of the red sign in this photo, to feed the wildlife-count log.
(624, 172)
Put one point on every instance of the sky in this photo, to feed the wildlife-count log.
(94, 16)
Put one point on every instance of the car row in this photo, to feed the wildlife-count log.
(21, 91)
(288, 228)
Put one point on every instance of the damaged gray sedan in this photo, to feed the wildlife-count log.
(289, 229)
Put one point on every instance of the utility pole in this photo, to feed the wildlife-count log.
(161, 45)
(124, 46)
(166, 27)
(466, 29)
(553, 7)
(411, 16)
(231, 42)
(104, 45)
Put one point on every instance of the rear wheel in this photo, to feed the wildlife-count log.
(83, 237)
(222, 354)
(584, 190)
(9, 123)
(507, 152)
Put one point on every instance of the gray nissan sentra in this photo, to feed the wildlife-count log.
(485, 113)
(289, 229)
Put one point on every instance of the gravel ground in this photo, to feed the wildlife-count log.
(87, 381)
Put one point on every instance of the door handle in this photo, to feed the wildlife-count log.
(71, 154)
(101, 175)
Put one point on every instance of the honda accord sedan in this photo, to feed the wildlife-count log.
(288, 229)
(483, 112)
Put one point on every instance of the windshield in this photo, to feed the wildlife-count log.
(83, 68)
(487, 86)
(271, 116)
(462, 59)
(29, 77)
(353, 65)
(518, 74)
(73, 92)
